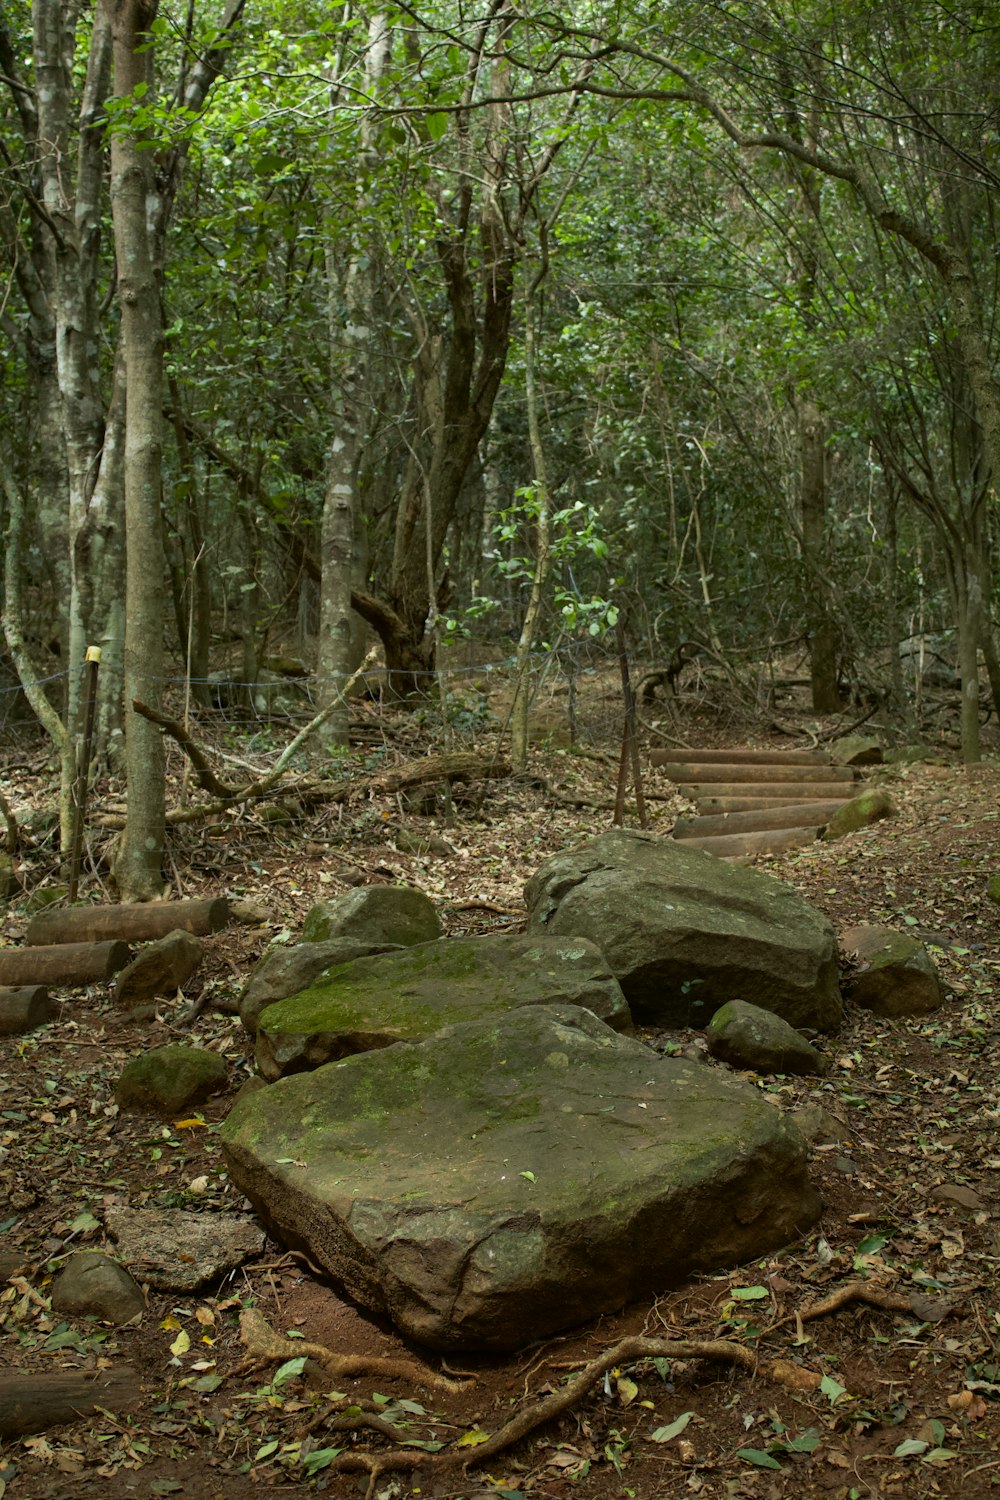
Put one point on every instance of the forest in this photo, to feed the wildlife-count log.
(406, 337)
(413, 417)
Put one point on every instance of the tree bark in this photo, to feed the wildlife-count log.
(138, 860)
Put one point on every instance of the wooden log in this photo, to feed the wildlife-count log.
(33, 1403)
(62, 963)
(689, 771)
(797, 791)
(756, 820)
(137, 923)
(25, 1009)
(708, 805)
(771, 841)
(742, 757)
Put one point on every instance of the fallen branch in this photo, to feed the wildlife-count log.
(263, 1345)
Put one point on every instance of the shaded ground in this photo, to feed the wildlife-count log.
(908, 1400)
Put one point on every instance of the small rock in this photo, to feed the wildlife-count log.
(382, 914)
(954, 1192)
(162, 968)
(856, 750)
(93, 1284)
(819, 1125)
(177, 1251)
(898, 977)
(746, 1036)
(251, 913)
(859, 813)
(169, 1079)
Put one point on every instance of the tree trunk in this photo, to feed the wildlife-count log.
(813, 499)
(350, 355)
(543, 533)
(139, 856)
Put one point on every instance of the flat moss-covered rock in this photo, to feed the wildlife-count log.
(377, 914)
(511, 1177)
(169, 1079)
(683, 932)
(745, 1036)
(288, 971)
(412, 992)
(898, 976)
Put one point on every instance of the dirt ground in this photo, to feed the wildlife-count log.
(875, 1341)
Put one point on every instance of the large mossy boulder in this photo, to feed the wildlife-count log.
(412, 992)
(683, 932)
(897, 976)
(508, 1178)
(288, 971)
(382, 915)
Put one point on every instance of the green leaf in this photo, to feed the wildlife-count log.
(674, 1429)
(911, 1448)
(832, 1389)
(759, 1457)
(289, 1370)
(84, 1223)
(265, 1451)
(872, 1244)
(749, 1293)
(472, 1439)
(437, 124)
(529, 1175)
(319, 1458)
(207, 1383)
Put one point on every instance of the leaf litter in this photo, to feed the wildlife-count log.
(869, 1353)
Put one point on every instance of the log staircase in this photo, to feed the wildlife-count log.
(755, 801)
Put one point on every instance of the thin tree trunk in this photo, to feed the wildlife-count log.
(543, 531)
(139, 857)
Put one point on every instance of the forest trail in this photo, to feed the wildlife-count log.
(756, 801)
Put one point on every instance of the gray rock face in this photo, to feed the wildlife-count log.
(411, 993)
(382, 915)
(684, 932)
(93, 1284)
(168, 1079)
(747, 1037)
(898, 977)
(176, 1251)
(508, 1178)
(287, 971)
(161, 968)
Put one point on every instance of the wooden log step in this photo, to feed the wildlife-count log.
(756, 820)
(739, 757)
(770, 841)
(23, 1010)
(62, 963)
(690, 772)
(136, 923)
(797, 791)
(32, 1403)
(707, 805)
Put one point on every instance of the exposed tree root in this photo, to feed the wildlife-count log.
(627, 1350)
(263, 1344)
(851, 1291)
